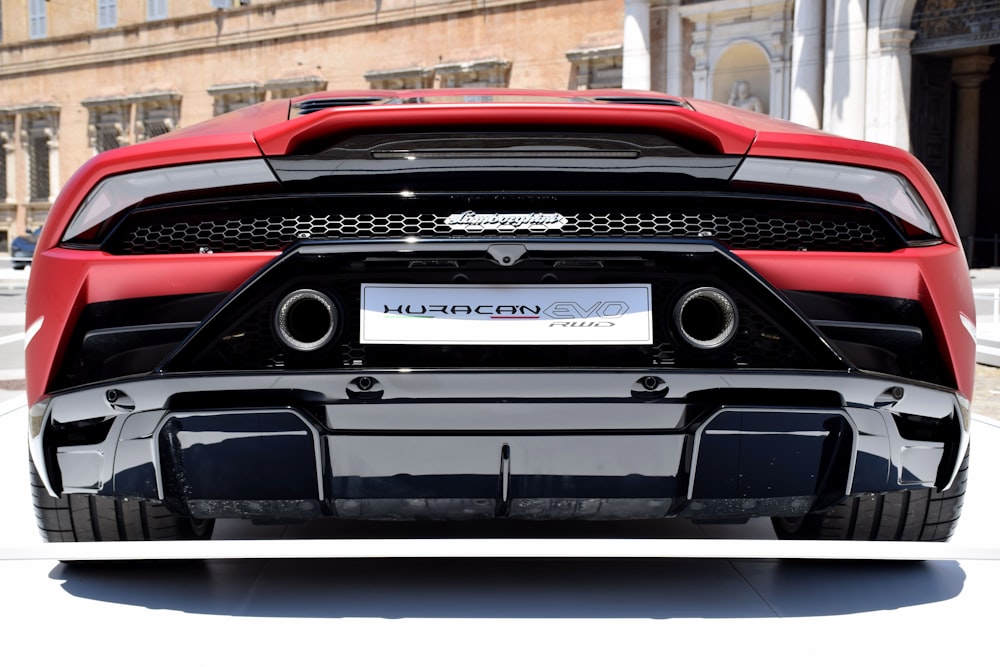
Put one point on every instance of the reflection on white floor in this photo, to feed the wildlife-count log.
(497, 611)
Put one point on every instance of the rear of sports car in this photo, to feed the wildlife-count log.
(505, 306)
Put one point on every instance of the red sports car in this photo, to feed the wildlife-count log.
(499, 305)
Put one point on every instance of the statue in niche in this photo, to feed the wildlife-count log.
(741, 97)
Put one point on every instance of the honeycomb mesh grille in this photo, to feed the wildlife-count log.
(848, 230)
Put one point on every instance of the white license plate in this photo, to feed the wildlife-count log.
(506, 314)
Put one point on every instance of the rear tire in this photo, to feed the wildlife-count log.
(921, 515)
(90, 518)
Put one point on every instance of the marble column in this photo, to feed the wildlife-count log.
(846, 68)
(699, 51)
(889, 120)
(968, 74)
(10, 165)
(635, 46)
(807, 64)
(675, 49)
(53, 145)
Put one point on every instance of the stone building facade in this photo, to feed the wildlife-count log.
(81, 76)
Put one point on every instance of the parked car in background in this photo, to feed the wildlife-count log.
(22, 249)
(499, 305)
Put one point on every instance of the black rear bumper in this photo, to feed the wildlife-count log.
(531, 445)
(230, 422)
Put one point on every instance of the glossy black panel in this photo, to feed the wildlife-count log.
(242, 455)
(121, 338)
(135, 482)
(877, 333)
(135, 473)
(769, 454)
(290, 446)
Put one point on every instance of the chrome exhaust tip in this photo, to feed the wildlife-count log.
(706, 318)
(306, 320)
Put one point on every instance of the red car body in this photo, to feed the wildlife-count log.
(926, 268)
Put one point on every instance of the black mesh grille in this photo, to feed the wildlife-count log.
(846, 229)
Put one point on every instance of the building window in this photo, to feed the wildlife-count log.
(109, 132)
(40, 139)
(407, 78)
(38, 158)
(156, 10)
(232, 96)
(597, 61)
(486, 73)
(108, 136)
(156, 114)
(279, 89)
(120, 121)
(29, 164)
(108, 123)
(155, 125)
(37, 20)
(596, 67)
(107, 13)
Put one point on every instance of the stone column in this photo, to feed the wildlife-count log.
(778, 105)
(10, 164)
(846, 68)
(699, 51)
(635, 46)
(889, 120)
(968, 73)
(54, 176)
(807, 64)
(19, 195)
(675, 49)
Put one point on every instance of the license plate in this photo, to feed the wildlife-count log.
(506, 314)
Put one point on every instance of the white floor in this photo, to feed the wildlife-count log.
(502, 610)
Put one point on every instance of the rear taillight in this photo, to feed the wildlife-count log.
(117, 194)
(886, 190)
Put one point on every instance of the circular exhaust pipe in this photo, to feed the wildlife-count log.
(306, 320)
(706, 318)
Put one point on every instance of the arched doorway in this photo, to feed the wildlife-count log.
(955, 101)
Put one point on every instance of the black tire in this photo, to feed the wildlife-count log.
(921, 515)
(89, 518)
